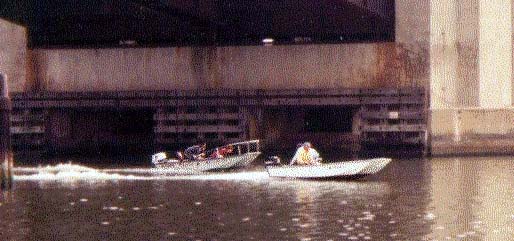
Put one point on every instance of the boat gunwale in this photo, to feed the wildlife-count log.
(207, 160)
(329, 164)
(369, 163)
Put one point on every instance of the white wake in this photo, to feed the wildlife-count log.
(75, 172)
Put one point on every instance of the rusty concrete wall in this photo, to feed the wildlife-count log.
(448, 34)
(241, 67)
(13, 54)
(441, 41)
(412, 36)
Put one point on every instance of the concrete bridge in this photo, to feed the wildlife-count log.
(454, 55)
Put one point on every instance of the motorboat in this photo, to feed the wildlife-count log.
(242, 155)
(344, 169)
(375, 165)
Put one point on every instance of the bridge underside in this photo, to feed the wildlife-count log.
(228, 22)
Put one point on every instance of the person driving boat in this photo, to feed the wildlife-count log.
(306, 155)
(196, 152)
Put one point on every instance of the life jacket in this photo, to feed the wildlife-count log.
(305, 157)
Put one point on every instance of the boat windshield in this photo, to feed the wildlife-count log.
(233, 149)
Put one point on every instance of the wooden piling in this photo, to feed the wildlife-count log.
(6, 157)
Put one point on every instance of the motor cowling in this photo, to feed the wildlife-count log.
(159, 158)
(272, 161)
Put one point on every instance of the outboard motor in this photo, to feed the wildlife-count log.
(272, 161)
(159, 158)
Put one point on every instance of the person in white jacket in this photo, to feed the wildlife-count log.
(306, 155)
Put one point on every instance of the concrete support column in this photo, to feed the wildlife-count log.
(495, 53)
(471, 77)
(443, 54)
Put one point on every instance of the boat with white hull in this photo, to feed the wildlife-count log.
(375, 165)
(245, 153)
(345, 169)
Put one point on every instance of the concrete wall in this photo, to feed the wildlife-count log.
(454, 54)
(468, 48)
(470, 76)
(495, 53)
(241, 67)
(413, 38)
(13, 54)
(473, 131)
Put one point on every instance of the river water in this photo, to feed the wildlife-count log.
(432, 199)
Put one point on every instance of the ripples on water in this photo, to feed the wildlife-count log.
(438, 199)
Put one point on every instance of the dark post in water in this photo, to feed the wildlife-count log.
(6, 158)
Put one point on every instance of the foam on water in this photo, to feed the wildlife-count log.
(55, 168)
(68, 172)
(75, 172)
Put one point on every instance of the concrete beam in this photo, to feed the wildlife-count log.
(443, 54)
(363, 65)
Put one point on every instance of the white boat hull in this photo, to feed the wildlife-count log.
(196, 167)
(346, 169)
(375, 166)
(244, 162)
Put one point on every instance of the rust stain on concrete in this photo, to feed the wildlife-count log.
(204, 61)
(386, 66)
(376, 65)
(400, 66)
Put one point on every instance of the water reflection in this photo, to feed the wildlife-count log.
(439, 199)
(307, 191)
(6, 196)
(472, 198)
(317, 206)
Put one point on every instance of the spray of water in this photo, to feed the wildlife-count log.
(68, 172)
